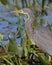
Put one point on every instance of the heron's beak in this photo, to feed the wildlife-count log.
(18, 11)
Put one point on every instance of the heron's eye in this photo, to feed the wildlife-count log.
(26, 16)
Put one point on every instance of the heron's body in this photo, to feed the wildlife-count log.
(41, 36)
(43, 39)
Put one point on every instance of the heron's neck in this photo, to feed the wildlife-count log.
(29, 30)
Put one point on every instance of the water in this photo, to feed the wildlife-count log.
(7, 28)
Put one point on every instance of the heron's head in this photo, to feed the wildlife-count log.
(28, 13)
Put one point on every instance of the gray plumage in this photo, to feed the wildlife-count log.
(41, 36)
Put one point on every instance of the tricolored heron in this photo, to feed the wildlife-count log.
(41, 36)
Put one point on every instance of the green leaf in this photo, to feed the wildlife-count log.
(1, 37)
(14, 47)
(41, 22)
(50, 26)
(43, 59)
(29, 46)
(4, 2)
(24, 44)
(43, 3)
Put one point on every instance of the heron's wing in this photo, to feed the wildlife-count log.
(43, 39)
